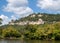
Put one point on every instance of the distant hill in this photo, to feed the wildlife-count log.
(43, 16)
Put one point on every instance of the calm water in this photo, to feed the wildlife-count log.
(27, 41)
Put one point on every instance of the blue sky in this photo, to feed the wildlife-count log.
(32, 5)
(2, 4)
(14, 9)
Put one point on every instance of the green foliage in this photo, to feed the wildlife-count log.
(29, 31)
(49, 18)
(11, 32)
(48, 31)
(0, 21)
(43, 32)
(40, 32)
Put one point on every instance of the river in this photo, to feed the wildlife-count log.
(27, 41)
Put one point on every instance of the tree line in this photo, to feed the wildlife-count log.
(45, 17)
(33, 32)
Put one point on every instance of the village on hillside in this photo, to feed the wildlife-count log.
(39, 21)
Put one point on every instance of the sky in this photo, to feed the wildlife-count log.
(14, 9)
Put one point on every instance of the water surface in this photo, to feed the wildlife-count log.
(27, 41)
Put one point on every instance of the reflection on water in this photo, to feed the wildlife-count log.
(27, 41)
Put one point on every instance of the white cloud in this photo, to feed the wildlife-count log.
(3, 16)
(17, 3)
(53, 5)
(5, 19)
(19, 7)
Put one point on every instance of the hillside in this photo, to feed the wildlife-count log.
(43, 16)
(33, 32)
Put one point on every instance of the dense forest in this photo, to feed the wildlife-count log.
(33, 32)
(47, 31)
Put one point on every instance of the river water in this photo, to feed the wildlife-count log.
(27, 41)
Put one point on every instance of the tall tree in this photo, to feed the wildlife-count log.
(0, 21)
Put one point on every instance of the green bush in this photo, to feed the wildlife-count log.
(11, 32)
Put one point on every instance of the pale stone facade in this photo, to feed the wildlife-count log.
(40, 15)
(40, 21)
(32, 15)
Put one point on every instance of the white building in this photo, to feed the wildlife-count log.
(32, 15)
(40, 15)
(40, 21)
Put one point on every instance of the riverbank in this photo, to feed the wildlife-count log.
(28, 41)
